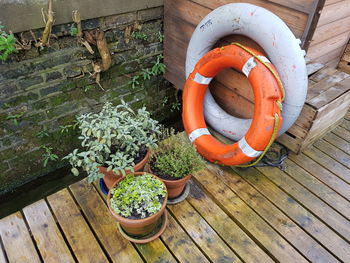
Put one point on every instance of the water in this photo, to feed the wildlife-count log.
(36, 190)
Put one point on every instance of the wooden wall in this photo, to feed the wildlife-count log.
(332, 33)
(322, 25)
(230, 88)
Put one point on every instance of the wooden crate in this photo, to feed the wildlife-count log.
(344, 64)
(327, 102)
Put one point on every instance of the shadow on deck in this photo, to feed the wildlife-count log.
(254, 215)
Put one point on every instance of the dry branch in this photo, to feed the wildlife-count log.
(48, 26)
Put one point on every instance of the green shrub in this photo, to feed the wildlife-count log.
(112, 138)
(7, 44)
(176, 158)
(138, 196)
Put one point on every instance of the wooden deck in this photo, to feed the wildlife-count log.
(254, 215)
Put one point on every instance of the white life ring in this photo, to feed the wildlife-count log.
(279, 43)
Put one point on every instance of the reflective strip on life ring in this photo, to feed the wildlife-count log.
(266, 91)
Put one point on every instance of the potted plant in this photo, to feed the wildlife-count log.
(174, 162)
(138, 202)
(115, 141)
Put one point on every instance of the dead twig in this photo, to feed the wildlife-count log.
(49, 20)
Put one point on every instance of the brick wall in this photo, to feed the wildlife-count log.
(43, 90)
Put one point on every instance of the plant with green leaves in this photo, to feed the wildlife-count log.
(177, 158)
(15, 118)
(48, 156)
(43, 133)
(139, 35)
(138, 196)
(158, 66)
(112, 138)
(7, 44)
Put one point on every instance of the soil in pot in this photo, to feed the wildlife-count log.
(140, 161)
(174, 185)
(134, 225)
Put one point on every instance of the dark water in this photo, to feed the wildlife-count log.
(36, 190)
(50, 184)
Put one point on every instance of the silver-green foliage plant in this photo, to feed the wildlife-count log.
(138, 196)
(177, 158)
(7, 44)
(112, 138)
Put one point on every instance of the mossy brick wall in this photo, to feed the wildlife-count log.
(41, 90)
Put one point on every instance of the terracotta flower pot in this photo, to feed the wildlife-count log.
(137, 227)
(174, 187)
(110, 177)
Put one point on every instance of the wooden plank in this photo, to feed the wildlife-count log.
(311, 24)
(327, 46)
(334, 12)
(322, 174)
(228, 230)
(246, 217)
(302, 6)
(322, 74)
(82, 241)
(330, 94)
(338, 142)
(330, 30)
(329, 196)
(339, 247)
(155, 251)
(345, 124)
(47, 236)
(296, 20)
(324, 85)
(333, 152)
(3, 257)
(318, 135)
(329, 163)
(331, 56)
(180, 244)
(342, 133)
(103, 223)
(231, 102)
(292, 143)
(297, 237)
(208, 240)
(340, 105)
(16, 239)
(314, 204)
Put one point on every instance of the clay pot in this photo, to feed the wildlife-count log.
(110, 177)
(137, 227)
(174, 187)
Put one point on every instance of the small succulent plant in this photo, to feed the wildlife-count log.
(112, 138)
(138, 196)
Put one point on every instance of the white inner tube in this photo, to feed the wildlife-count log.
(279, 43)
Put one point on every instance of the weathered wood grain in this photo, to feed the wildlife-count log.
(82, 241)
(322, 174)
(277, 246)
(294, 210)
(329, 196)
(16, 240)
(47, 236)
(208, 240)
(180, 244)
(228, 230)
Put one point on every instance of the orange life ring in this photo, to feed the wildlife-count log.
(267, 93)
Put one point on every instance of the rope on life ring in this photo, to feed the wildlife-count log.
(268, 93)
